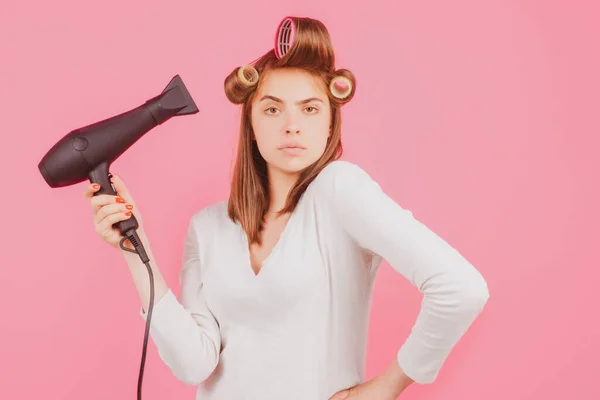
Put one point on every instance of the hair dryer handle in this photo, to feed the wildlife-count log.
(101, 176)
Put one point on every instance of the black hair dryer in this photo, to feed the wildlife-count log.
(87, 153)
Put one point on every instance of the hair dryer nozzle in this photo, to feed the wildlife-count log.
(183, 98)
(173, 101)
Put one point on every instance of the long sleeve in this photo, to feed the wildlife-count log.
(454, 292)
(185, 332)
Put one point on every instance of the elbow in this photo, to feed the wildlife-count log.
(194, 374)
(193, 380)
(473, 293)
(195, 365)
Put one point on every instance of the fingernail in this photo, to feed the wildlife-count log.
(96, 186)
(128, 213)
(119, 200)
(129, 207)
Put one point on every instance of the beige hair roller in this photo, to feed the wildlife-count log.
(248, 75)
(340, 87)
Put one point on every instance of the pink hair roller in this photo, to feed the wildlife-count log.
(284, 37)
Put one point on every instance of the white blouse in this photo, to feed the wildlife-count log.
(298, 329)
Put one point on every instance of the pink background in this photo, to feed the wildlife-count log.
(479, 116)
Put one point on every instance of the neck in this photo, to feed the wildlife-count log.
(280, 184)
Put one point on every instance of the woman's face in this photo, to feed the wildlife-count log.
(291, 119)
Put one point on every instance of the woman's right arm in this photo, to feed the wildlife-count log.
(184, 331)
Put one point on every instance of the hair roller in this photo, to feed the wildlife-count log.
(284, 37)
(247, 75)
(240, 83)
(341, 87)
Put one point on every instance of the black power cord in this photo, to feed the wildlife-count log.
(139, 249)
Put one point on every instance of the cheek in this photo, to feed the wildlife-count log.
(264, 132)
(266, 140)
(319, 144)
(318, 133)
(262, 125)
(266, 143)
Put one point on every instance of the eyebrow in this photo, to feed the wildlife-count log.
(267, 97)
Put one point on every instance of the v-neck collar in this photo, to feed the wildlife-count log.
(280, 241)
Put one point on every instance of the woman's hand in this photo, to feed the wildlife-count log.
(386, 386)
(109, 209)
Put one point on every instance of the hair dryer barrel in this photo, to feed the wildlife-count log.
(79, 153)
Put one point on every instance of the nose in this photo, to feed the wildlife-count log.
(292, 125)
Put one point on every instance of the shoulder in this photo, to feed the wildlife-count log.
(343, 177)
(210, 216)
(342, 169)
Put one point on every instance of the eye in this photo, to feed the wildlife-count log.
(270, 108)
(311, 107)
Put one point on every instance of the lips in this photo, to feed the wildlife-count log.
(292, 149)
(292, 146)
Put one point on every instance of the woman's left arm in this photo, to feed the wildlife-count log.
(454, 292)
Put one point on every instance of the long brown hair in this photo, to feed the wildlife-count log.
(312, 52)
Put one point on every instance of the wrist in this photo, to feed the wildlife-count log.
(127, 243)
(397, 379)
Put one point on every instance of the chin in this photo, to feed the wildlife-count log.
(292, 165)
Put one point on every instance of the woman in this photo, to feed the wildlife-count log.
(276, 281)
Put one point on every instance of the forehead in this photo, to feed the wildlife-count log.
(291, 85)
